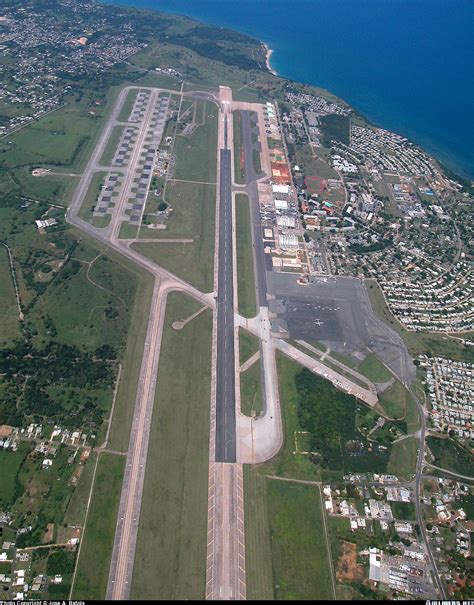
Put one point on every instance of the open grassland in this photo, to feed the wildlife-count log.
(10, 463)
(245, 270)
(170, 561)
(193, 217)
(374, 369)
(90, 199)
(251, 400)
(89, 308)
(402, 461)
(192, 205)
(111, 147)
(257, 166)
(76, 510)
(417, 342)
(127, 106)
(300, 558)
(394, 400)
(239, 171)
(9, 324)
(53, 188)
(98, 539)
(248, 345)
(196, 155)
(285, 463)
(258, 548)
(452, 456)
(132, 354)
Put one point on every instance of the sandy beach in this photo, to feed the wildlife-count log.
(268, 54)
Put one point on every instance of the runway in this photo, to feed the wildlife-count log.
(225, 375)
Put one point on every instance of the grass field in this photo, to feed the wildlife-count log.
(251, 400)
(97, 542)
(90, 308)
(131, 360)
(245, 269)
(170, 561)
(300, 558)
(258, 548)
(9, 324)
(393, 401)
(248, 345)
(111, 147)
(127, 105)
(193, 217)
(90, 199)
(374, 369)
(10, 463)
(52, 188)
(285, 463)
(417, 342)
(239, 172)
(76, 509)
(196, 155)
(450, 455)
(257, 166)
(402, 461)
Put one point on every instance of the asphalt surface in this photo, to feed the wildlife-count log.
(251, 190)
(225, 373)
(121, 569)
(338, 313)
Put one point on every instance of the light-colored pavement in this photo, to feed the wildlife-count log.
(121, 570)
(225, 573)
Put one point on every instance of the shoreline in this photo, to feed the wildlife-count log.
(268, 53)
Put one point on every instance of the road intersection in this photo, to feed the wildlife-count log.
(235, 439)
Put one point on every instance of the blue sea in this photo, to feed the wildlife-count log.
(407, 65)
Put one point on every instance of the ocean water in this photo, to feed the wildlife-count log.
(407, 65)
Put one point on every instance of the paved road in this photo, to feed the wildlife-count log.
(225, 375)
(252, 192)
(120, 574)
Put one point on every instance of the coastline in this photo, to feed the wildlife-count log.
(439, 150)
(268, 54)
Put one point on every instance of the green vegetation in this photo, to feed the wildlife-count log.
(172, 534)
(9, 324)
(258, 548)
(402, 461)
(311, 166)
(127, 106)
(90, 200)
(374, 369)
(329, 416)
(10, 463)
(403, 510)
(39, 495)
(299, 551)
(393, 400)
(245, 268)
(196, 155)
(418, 343)
(335, 128)
(112, 145)
(451, 455)
(128, 231)
(239, 166)
(257, 166)
(98, 539)
(248, 345)
(76, 510)
(251, 400)
(193, 217)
